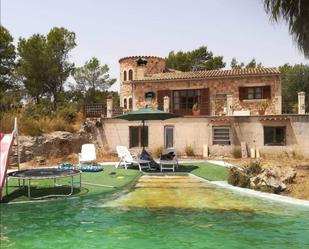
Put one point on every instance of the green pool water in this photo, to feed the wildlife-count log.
(158, 213)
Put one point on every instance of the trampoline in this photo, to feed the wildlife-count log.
(43, 174)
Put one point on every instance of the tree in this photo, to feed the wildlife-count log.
(60, 42)
(252, 64)
(34, 65)
(294, 79)
(43, 63)
(195, 60)
(236, 65)
(296, 14)
(7, 60)
(93, 77)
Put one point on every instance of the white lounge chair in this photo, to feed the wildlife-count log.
(171, 150)
(87, 155)
(127, 159)
(168, 164)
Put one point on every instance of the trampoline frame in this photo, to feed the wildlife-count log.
(29, 178)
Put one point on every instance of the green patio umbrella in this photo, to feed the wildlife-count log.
(144, 114)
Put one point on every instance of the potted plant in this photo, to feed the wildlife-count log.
(262, 107)
(196, 109)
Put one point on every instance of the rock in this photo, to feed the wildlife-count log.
(57, 144)
(270, 179)
(267, 181)
(40, 160)
(288, 175)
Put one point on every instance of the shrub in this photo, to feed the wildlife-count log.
(69, 114)
(37, 111)
(253, 168)
(7, 121)
(30, 127)
(59, 124)
(298, 155)
(238, 178)
(236, 152)
(158, 152)
(189, 151)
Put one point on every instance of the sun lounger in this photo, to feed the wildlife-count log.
(168, 159)
(127, 160)
(88, 154)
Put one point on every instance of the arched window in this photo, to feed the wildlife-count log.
(125, 105)
(130, 103)
(130, 74)
(124, 75)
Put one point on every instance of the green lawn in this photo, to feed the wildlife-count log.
(118, 178)
(211, 172)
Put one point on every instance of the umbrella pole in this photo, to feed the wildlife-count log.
(143, 134)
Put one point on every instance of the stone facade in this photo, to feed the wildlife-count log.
(218, 88)
(154, 77)
(154, 65)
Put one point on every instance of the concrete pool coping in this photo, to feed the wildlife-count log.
(255, 193)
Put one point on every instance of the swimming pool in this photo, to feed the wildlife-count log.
(159, 213)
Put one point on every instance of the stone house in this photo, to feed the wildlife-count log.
(146, 81)
(229, 104)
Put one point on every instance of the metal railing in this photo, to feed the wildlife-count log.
(117, 111)
(94, 110)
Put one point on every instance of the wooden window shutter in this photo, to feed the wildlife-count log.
(204, 105)
(242, 93)
(160, 98)
(266, 92)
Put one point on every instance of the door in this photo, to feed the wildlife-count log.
(168, 136)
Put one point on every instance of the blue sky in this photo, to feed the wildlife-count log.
(113, 29)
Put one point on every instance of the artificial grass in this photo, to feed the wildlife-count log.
(118, 178)
(210, 171)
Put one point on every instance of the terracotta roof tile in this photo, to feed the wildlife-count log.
(140, 56)
(210, 74)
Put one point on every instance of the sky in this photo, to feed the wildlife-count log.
(112, 29)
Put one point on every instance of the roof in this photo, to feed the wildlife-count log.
(140, 56)
(210, 74)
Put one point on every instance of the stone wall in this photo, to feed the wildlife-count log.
(219, 87)
(197, 131)
(154, 65)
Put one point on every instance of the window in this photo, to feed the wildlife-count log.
(136, 134)
(274, 135)
(254, 92)
(124, 75)
(168, 136)
(221, 135)
(184, 100)
(130, 74)
(259, 92)
(125, 105)
(130, 103)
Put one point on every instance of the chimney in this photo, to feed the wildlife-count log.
(301, 103)
(141, 67)
(140, 72)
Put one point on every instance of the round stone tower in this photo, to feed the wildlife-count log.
(135, 68)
